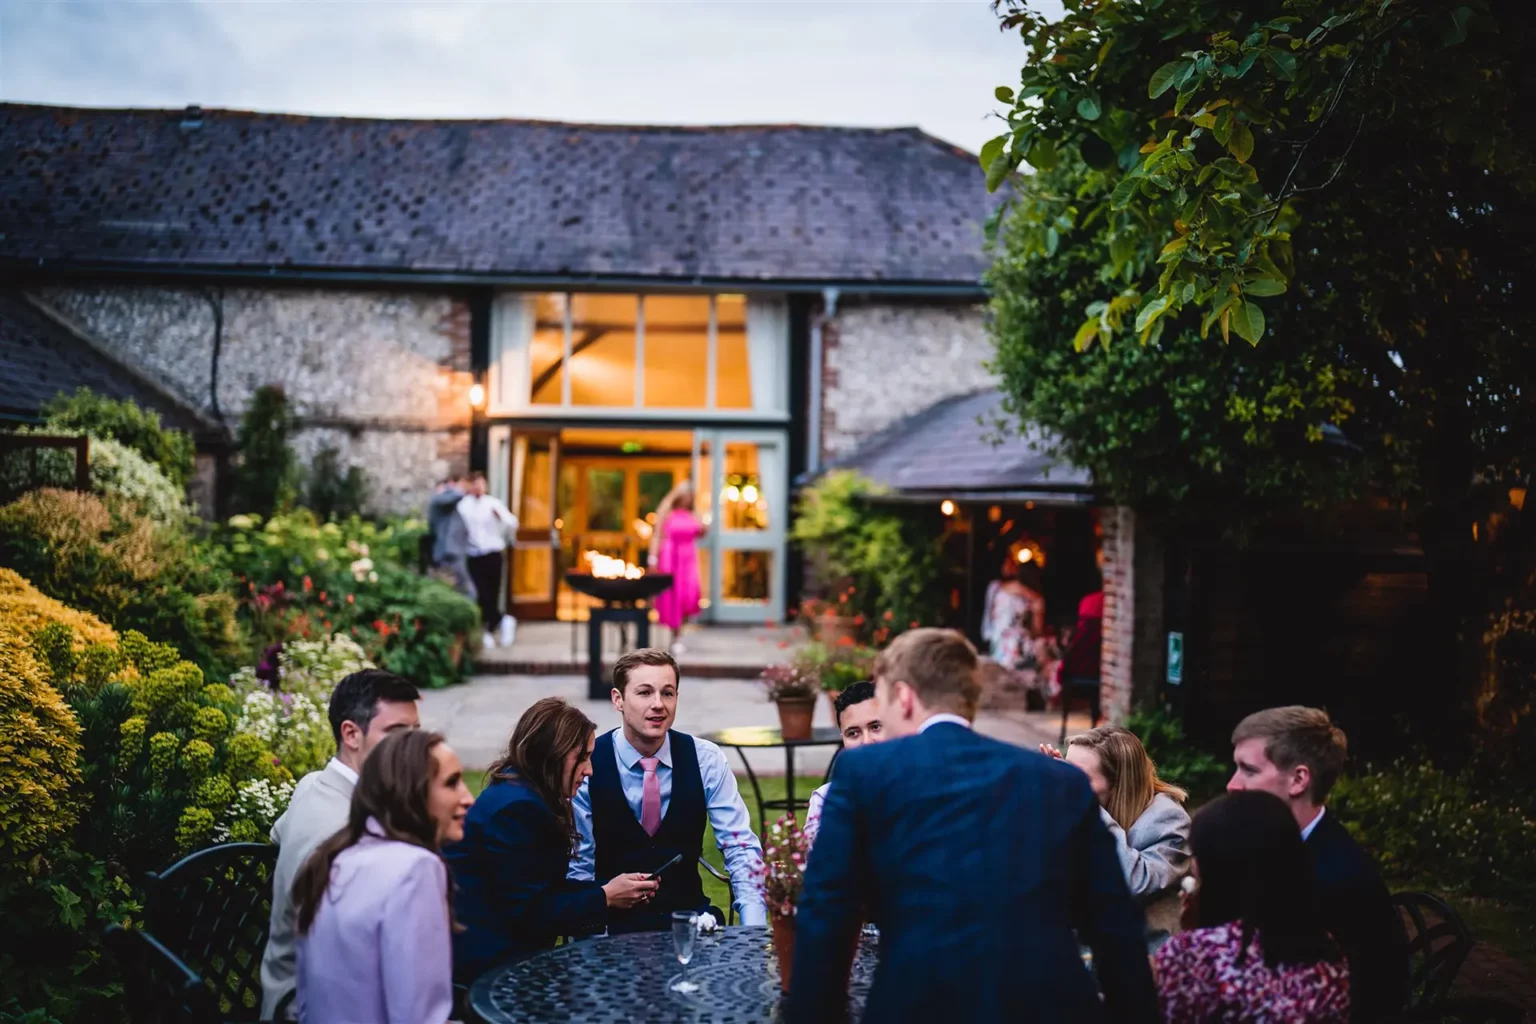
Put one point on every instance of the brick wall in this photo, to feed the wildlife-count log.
(1116, 658)
(381, 376)
(883, 361)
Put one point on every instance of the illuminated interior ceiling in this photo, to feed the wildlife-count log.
(651, 442)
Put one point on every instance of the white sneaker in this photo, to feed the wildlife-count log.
(487, 641)
(677, 649)
(508, 630)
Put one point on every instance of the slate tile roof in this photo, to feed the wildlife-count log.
(40, 357)
(233, 189)
(950, 450)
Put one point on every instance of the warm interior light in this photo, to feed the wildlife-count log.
(749, 494)
(1517, 498)
(609, 568)
(732, 493)
(1025, 555)
(947, 507)
(477, 395)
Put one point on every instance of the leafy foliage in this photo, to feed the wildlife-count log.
(1425, 824)
(291, 716)
(266, 474)
(334, 493)
(1178, 761)
(39, 753)
(302, 579)
(116, 471)
(835, 667)
(883, 566)
(127, 423)
(106, 557)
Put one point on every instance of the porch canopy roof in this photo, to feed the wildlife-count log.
(968, 449)
(237, 193)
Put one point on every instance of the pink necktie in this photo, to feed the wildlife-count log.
(650, 797)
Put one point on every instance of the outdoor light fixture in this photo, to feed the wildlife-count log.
(947, 507)
(477, 395)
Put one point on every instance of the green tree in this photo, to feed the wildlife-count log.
(266, 476)
(1347, 185)
(128, 423)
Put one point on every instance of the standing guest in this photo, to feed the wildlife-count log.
(1297, 753)
(1080, 661)
(675, 550)
(858, 722)
(375, 921)
(365, 708)
(982, 864)
(651, 791)
(1144, 814)
(1257, 950)
(1013, 618)
(488, 523)
(450, 535)
(513, 897)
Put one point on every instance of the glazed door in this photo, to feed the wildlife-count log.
(533, 459)
(740, 480)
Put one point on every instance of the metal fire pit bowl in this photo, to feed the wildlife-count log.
(619, 590)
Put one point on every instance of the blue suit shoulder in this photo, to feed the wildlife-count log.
(502, 794)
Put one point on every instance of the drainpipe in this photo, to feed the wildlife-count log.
(215, 300)
(813, 428)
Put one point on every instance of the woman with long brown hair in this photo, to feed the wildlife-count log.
(374, 918)
(1144, 814)
(513, 897)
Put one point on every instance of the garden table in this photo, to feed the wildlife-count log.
(741, 738)
(629, 978)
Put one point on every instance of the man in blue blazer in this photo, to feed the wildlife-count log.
(982, 863)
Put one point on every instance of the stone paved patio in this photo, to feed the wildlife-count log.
(478, 716)
(560, 648)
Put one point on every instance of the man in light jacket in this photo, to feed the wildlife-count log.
(365, 707)
(450, 536)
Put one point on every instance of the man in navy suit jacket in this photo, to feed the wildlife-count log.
(978, 861)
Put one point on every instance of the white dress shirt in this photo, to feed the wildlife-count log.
(727, 814)
(338, 765)
(487, 521)
(1306, 833)
(813, 811)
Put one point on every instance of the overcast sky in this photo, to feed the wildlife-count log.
(933, 64)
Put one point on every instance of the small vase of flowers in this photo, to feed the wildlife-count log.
(784, 851)
(794, 690)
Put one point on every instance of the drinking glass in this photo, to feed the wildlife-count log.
(685, 933)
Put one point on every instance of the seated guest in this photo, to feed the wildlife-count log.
(1144, 814)
(651, 791)
(1256, 949)
(1296, 754)
(374, 917)
(855, 710)
(365, 707)
(513, 898)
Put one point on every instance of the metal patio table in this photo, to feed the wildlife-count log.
(743, 738)
(629, 978)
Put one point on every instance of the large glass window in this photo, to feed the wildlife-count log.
(650, 353)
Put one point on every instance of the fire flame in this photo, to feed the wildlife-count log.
(608, 568)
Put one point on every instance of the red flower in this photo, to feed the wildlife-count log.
(888, 616)
(308, 586)
(845, 641)
(913, 626)
(858, 620)
(350, 600)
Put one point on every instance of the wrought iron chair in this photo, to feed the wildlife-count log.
(721, 876)
(1438, 944)
(160, 988)
(213, 909)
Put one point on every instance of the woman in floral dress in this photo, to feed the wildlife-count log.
(1255, 951)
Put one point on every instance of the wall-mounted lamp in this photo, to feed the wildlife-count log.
(947, 507)
(477, 396)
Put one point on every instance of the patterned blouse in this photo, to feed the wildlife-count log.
(1199, 979)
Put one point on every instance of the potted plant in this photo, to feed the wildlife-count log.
(794, 691)
(843, 666)
(784, 851)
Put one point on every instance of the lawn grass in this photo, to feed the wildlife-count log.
(773, 789)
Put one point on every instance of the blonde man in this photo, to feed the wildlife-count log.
(981, 862)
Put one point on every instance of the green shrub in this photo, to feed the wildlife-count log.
(39, 754)
(1178, 761)
(127, 423)
(1426, 826)
(334, 493)
(882, 565)
(116, 471)
(293, 720)
(105, 557)
(265, 471)
(304, 580)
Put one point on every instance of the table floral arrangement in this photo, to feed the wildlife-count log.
(785, 849)
(792, 688)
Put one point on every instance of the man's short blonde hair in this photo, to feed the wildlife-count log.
(1299, 735)
(939, 664)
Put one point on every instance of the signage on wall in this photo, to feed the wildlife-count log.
(1175, 658)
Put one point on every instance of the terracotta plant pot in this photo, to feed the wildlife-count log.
(795, 717)
(783, 947)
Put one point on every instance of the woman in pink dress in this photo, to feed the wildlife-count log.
(674, 550)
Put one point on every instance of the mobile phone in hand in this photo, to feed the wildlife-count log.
(656, 875)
